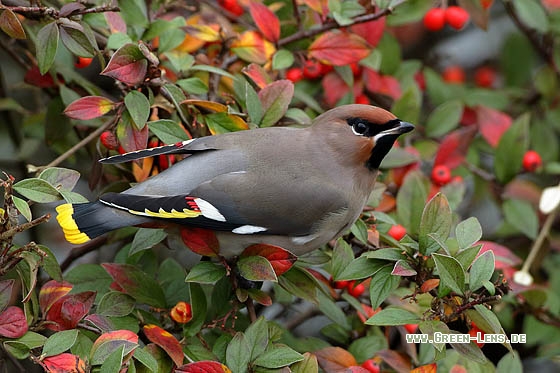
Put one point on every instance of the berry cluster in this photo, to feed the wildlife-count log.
(455, 16)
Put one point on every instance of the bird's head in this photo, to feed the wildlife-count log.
(363, 133)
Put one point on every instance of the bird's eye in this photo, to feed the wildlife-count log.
(359, 128)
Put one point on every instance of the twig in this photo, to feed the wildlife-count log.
(54, 13)
(80, 251)
(296, 15)
(251, 310)
(75, 148)
(487, 176)
(20, 228)
(545, 231)
(544, 50)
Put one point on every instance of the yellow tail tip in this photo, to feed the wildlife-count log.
(66, 221)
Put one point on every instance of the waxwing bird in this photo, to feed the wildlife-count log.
(290, 187)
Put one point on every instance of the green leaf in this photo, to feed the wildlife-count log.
(60, 178)
(407, 107)
(193, 86)
(212, 69)
(115, 304)
(299, 283)
(138, 107)
(481, 271)
(342, 256)
(468, 232)
(50, 264)
(37, 190)
(391, 254)
(359, 268)
(308, 364)
(366, 347)
(278, 357)
(360, 230)
(532, 14)
(46, 46)
(511, 148)
(206, 273)
(382, 284)
(237, 358)
(466, 256)
(256, 268)
(275, 99)
(114, 361)
(199, 309)
(521, 215)
(329, 308)
(181, 61)
(146, 238)
(282, 59)
(444, 118)
(430, 327)
(22, 207)
(89, 277)
(436, 221)
(409, 12)
(254, 107)
(398, 157)
(410, 201)
(60, 342)
(256, 336)
(510, 363)
(451, 274)
(485, 319)
(72, 197)
(144, 357)
(20, 347)
(469, 350)
(220, 123)
(393, 316)
(168, 131)
(73, 35)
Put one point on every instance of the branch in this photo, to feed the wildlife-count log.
(80, 251)
(20, 228)
(55, 13)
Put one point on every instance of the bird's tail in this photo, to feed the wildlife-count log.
(84, 221)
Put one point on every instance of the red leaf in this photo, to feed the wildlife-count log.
(165, 340)
(257, 74)
(383, 84)
(505, 258)
(115, 22)
(127, 65)
(64, 363)
(396, 360)
(338, 48)
(101, 322)
(33, 76)
(51, 292)
(334, 88)
(371, 31)
(13, 323)
(67, 312)
(334, 359)
(266, 20)
(89, 107)
(492, 124)
(453, 148)
(280, 259)
(116, 335)
(252, 47)
(203, 367)
(131, 138)
(260, 297)
(201, 241)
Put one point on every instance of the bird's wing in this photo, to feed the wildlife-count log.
(182, 147)
(242, 203)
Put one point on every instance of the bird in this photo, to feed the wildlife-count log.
(296, 188)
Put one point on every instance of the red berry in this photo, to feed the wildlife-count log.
(473, 332)
(485, 76)
(312, 69)
(456, 17)
(355, 290)
(294, 74)
(434, 20)
(371, 366)
(531, 161)
(454, 74)
(340, 284)
(231, 6)
(83, 62)
(356, 69)
(362, 99)
(411, 328)
(441, 175)
(397, 232)
(121, 150)
(109, 140)
(325, 69)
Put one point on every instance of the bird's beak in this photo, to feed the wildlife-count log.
(399, 129)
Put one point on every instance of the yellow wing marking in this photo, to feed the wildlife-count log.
(71, 231)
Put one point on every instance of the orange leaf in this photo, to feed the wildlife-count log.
(10, 24)
(166, 341)
(207, 33)
(257, 74)
(266, 20)
(492, 123)
(201, 241)
(430, 368)
(115, 335)
(280, 259)
(429, 285)
(203, 367)
(332, 359)
(338, 48)
(251, 47)
(51, 292)
(396, 360)
(214, 106)
(64, 363)
(89, 107)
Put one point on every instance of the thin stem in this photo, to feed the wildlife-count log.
(251, 310)
(545, 230)
(20, 228)
(54, 13)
